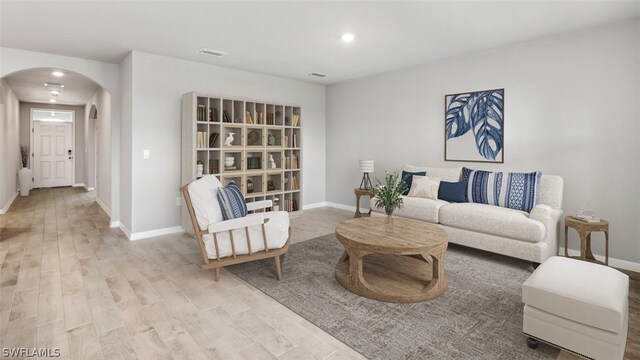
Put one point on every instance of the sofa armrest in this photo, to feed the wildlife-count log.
(239, 223)
(542, 213)
(550, 218)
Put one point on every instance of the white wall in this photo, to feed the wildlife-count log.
(158, 85)
(571, 109)
(78, 125)
(105, 74)
(9, 145)
(102, 101)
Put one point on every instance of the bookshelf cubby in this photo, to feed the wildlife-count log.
(262, 129)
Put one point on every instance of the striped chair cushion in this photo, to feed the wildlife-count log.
(512, 190)
(231, 201)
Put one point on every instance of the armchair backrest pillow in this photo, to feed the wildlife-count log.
(203, 193)
(231, 201)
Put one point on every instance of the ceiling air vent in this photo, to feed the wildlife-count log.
(211, 52)
(320, 75)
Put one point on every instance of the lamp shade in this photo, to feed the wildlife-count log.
(366, 166)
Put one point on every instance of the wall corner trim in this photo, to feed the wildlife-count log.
(8, 205)
(104, 207)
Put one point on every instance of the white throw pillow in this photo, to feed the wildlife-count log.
(425, 187)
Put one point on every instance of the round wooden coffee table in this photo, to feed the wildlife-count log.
(392, 267)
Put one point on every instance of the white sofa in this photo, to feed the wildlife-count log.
(528, 236)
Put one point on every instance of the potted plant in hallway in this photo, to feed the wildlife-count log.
(24, 174)
(388, 197)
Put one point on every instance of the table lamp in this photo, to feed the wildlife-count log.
(366, 166)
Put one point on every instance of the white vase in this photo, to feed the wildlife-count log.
(24, 178)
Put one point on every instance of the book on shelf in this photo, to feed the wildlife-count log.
(294, 183)
(259, 118)
(287, 162)
(294, 161)
(248, 116)
(213, 166)
(201, 113)
(227, 168)
(201, 140)
(286, 141)
(270, 119)
(295, 120)
(212, 139)
(225, 116)
(295, 141)
(213, 114)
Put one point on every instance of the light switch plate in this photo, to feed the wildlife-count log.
(146, 154)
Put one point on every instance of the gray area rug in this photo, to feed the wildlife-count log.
(479, 316)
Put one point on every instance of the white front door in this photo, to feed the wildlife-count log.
(52, 154)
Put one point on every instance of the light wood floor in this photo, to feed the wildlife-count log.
(68, 281)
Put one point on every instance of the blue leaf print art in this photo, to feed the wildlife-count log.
(474, 126)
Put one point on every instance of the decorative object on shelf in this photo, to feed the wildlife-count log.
(249, 186)
(474, 126)
(24, 174)
(270, 186)
(296, 120)
(272, 161)
(276, 204)
(200, 168)
(212, 139)
(229, 140)
(388, 197)
(248, 117)
(229, 161)
(252, 138)
(366, 167)
(271, 140)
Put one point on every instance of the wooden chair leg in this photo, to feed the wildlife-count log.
(278, 268)
(217, 274)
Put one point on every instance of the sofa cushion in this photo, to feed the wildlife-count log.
(513, 190)
(425, 187)
(277, 230)
(446, 174)
(231, 201)
(453, 191)
(584, 292)
(416, 208)
(407, 179)
(492, 220)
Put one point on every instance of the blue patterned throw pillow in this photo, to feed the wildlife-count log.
(517, 191)
(231, 201)
(407, 179)
(464, 174)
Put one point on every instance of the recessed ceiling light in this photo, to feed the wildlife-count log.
(55, 92)
(348, 37)
(52, 100)
(211, 52)
(53, 114)
(57, 73)
(54, 85)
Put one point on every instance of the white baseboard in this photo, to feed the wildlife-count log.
(153, 233)
(341, 206)
(114, 224)
(125, 230)
(613, 262)
(8, 205)
(80, 185)
(314, 205)
(103, 206)
(89, 188)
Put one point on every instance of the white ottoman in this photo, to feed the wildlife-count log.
(578, 306)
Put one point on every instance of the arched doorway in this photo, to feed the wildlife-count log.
(92, 152)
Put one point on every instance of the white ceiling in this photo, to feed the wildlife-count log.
(29, 86)
(292, 39)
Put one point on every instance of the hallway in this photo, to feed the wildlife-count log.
(67, 281)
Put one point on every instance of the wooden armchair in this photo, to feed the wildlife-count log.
(227, 242)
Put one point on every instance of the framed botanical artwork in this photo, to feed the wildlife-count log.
(474, 126)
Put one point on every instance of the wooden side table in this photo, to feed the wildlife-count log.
(584, 230)
(359, 193)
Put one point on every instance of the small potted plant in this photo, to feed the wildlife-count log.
(24, 174)
(388, 197)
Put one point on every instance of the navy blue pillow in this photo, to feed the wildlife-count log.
(453, 191)
(464, 174)
(407, 179)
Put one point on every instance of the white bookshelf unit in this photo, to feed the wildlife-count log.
(261, 130)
